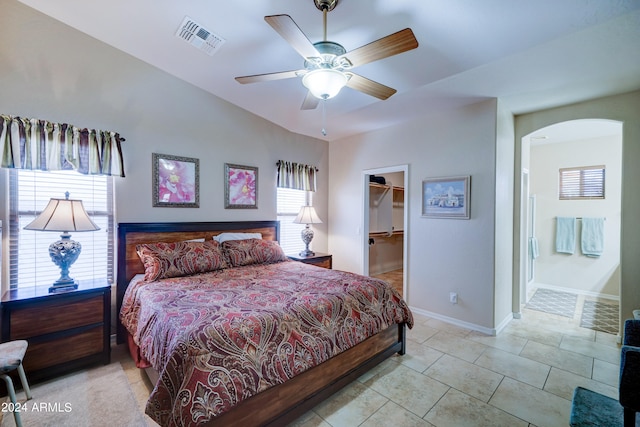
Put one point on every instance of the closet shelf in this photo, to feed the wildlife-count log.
(386, 233)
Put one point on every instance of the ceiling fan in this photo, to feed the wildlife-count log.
(327, 65)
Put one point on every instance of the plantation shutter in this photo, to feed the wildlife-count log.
(582, 183)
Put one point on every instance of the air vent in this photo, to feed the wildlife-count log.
(194, 34)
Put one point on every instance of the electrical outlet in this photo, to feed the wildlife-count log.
(453, 297)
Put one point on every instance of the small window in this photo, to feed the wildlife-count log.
(580, 183)
(289, 202)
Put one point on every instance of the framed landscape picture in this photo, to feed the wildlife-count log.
(446, 197)
(240, 187)
(175, 181)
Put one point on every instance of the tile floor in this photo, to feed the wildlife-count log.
(452, 376)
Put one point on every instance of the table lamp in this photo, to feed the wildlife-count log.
(307, 215)
(63, 215)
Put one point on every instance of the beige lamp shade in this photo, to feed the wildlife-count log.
(63, 215)
(307, 215)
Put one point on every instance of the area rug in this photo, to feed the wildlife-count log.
(97, 397)
(553, 302)
(600, 316)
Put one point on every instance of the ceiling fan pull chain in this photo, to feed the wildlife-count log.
(324, 117)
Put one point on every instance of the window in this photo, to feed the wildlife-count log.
(289, 202)
(30, 191)
(585, 182)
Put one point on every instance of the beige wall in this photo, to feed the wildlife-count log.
(591, 276)
(53, 72)
(622, 108)
(444, 255)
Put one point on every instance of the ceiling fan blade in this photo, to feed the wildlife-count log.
(310, 102)
(270, 76)
(370, 87)
(390, 45)
(289, 30)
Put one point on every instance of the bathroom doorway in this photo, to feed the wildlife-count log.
(593, 281)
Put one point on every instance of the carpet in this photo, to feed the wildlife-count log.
(600, 316)
(553, 302)
(97, 397)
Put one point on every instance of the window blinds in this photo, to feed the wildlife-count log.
(30, 191)
(582, 183)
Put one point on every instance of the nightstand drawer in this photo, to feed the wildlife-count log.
(325, 262)
(319, 259)
(49, 353)
(55, 317)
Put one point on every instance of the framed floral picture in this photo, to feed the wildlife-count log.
(240, 187)
(176, 181)
(446, 197)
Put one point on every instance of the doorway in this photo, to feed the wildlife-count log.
(572, 144)
(386, 225)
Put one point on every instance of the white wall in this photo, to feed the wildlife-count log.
(444, 255)
(624, 108)
(577, 272)
(51, 71)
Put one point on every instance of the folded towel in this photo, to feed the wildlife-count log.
(565, 235)
(534, 251)
(592, 239)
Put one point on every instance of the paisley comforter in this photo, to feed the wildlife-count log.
(219, 338)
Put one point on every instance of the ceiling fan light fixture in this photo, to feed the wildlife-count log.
(324, 83)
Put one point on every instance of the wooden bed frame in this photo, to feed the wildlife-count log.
(285, 402)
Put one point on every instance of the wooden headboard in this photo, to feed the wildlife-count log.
(132, 234)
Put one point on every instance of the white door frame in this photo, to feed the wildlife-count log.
(365, 221)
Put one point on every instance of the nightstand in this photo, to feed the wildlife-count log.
(319, 259)
(66, 331)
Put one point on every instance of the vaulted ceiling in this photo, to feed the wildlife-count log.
(530, 54)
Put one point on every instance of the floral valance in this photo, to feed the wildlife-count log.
(296, 176)
(41, 145)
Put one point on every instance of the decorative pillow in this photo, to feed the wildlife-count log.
(223, 237)
(252, 251)
(163, 260)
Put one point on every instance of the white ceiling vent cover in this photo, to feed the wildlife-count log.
(193, 33)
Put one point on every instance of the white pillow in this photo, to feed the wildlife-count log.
(223, 237)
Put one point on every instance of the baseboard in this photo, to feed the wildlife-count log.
(572, 291)
(457, 322)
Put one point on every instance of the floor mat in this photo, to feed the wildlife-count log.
(599, 316)
(553, 302)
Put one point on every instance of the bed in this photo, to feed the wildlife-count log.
(295, 377)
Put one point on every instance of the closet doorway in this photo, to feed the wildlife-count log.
(386, 225)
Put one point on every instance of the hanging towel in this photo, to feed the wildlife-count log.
(592, 239)
(534, 251)
(565, 235)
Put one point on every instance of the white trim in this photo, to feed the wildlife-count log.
(466, 325)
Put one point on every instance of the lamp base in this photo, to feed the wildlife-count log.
(307, 253)
(62, 287)
(307, 237)
(63, 253)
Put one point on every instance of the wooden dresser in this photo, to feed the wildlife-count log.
(66, 331)
(321, 260)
